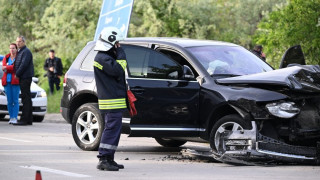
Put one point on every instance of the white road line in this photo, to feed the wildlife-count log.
(11, 139)
(43, 169)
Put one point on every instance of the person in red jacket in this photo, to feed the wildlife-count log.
(11, 83)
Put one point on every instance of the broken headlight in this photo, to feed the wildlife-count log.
(283, 109)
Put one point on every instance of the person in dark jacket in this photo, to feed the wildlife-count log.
(24, 72)
(257, 50)
(10, 83)
(109, 71)
(53, 66)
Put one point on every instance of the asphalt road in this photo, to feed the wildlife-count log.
(49, 147)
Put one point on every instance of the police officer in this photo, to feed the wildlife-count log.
(109, 71)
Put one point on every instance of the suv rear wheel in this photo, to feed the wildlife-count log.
(87, 127)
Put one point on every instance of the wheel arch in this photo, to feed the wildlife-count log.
(222, 111)
(80, 99)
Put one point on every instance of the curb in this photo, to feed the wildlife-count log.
(54, 118)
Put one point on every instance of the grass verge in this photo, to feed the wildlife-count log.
(54, 101)
(53, 105)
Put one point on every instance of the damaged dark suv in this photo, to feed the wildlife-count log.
(194, 90)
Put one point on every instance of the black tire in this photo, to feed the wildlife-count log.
(90, 140)
(227, 123)
(2, 116)
(170, 142)
(38, 118)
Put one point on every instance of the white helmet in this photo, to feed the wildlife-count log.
(108, 37)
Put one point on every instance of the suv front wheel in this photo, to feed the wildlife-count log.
(87, 127)
(225, 126)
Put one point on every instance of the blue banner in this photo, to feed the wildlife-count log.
(115, 13)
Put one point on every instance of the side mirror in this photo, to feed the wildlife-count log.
(187, 72)
(35, 80)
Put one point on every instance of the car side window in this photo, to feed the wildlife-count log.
(148, 63)
(87, 63)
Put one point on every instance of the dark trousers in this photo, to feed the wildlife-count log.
(26, 115)
(111, 135)
(54, 81)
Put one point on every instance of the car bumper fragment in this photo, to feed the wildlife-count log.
(258, 148)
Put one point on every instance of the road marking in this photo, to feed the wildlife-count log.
(11, 139)
(56, 171)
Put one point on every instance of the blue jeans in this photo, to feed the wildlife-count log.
(12, 92)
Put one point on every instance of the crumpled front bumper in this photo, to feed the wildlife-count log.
(257, 148)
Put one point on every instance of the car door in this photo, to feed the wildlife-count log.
(167, 104)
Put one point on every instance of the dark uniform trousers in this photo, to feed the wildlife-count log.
(111, 135)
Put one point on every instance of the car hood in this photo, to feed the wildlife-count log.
(305, 78)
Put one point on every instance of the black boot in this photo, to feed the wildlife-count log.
(120, 166)
(107, 165)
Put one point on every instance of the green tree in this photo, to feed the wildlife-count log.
(66, 26)
(296, 23)
(63, 25)
(18, 17)
(227, 20)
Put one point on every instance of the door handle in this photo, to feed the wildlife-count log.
(137, 90)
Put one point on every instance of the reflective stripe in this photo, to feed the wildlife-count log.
(97, 65)
(123, 63)
(112, 107)
(112, 103)
(120, 100)
(108, 146)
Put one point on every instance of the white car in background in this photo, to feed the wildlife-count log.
(39, 100)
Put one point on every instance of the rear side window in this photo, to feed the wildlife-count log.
(87, 63)
(147, 63)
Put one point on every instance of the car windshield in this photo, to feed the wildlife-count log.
(229, 60)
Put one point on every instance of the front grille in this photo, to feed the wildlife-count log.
(3, 107)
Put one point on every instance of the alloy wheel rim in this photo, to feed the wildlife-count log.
(87, 127)
(223, 130)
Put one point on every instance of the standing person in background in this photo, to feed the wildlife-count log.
(257, 50)
(25, 72)
(11, 83)
(53, 66)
